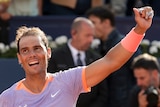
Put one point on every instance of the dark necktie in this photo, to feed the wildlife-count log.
(79, 62)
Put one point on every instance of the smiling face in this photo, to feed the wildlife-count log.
(33, 55)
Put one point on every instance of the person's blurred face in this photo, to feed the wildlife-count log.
(144, 78)
(83, 37)
(100, 26)
(33, 55)
(4, 5)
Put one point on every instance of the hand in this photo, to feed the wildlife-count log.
(142, 99)
(143, 18)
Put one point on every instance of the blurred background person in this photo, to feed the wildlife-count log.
(10, 8)
(121, 82)
(118, 6)
(69, 7)
(78, 48)
(25, 7)
(4, 23)
(146, 71)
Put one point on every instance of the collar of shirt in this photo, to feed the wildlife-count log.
(74, 53)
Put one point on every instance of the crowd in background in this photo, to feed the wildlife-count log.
(117, 94)
(11, 8)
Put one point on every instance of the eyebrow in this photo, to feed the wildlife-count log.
(33, 47)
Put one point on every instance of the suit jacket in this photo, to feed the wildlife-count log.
(62, 59)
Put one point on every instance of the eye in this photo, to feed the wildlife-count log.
(24, 51)
(37, 49)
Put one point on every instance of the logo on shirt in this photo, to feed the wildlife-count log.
(23, 105)
(53, 95)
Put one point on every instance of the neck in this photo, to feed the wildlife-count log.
(75, 45)
(35, 84)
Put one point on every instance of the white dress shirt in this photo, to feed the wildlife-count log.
(74, 53)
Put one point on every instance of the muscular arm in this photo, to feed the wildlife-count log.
(118, 55)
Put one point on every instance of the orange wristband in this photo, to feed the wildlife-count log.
(132, 41)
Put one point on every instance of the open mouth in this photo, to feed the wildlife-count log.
(33, 63)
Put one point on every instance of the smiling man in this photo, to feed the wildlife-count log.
(42, 89)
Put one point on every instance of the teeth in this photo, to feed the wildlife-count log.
(33, 63)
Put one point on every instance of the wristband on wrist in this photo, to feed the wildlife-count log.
(132, 41)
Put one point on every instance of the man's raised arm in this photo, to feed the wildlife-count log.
(120, 53)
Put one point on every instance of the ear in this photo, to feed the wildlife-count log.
(155, 73)
(49, 52)
(73, 32)
(19, 58)
(106, 21)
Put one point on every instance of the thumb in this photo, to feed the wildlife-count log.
(136, 12)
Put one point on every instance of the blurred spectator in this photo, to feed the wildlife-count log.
(25, 7)
(69, 7)
(4, 17)
(121, 82)
(9, 8)
(65, 57)
(4, 4)
(123, 7)
(118, 6)
(146, 71)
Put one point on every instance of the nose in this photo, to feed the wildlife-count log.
(139, 83)
(32, 53)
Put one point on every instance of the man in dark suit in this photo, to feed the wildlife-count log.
(65, 57)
